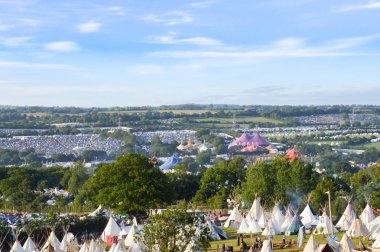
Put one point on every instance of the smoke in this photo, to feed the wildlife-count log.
(296, 199)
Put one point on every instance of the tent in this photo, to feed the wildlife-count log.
(244, 227)
(256, 210)
(267, 246)
(262, 221)
(53, 242)
(278, 218)
(17, 247)
(270, 229)
(111, 232)
(129, 240)
(100, 211)
(171, 162)
(308, 217)
(367, 215)
(324, 225)
(247, 140)
(288, 219)
(347, 218)
(357, 229)
(234, 219)
(311, 245)
(346, 245)
(30, 246)
(216, 233)
(376, 244)
(294, 226)
(254, 227)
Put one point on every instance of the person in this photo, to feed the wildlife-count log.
(283, 240)
(224, 247)
(217, 248)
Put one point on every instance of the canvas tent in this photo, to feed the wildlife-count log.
(294, 226)
(308, 217)
(278, 218)
(171, 162)
(244, 227)
(111, 232)
(53, 242)
(357, 229)
(234, 219)
(346, 245)
(288, 219)
(311, 245)
(347, 218)
(256, 210)
(367, 215)
(30, 246)
(17, 247)
(267, 246)
(324, 225)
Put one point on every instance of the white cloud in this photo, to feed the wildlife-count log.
(201, 4)
(5, 27)
(33, 66)
(89, 27)
(147, 69)
(15, 41)
(170, 18)
(369, 5)
(30, 22)
(62, 46)
(288, 47)
(117, 10)
(172, 39)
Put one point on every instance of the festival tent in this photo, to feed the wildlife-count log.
(30, 246)
(294, 226)
(112, 248)
(53, 242)
(137, 247)
(129, 240)
(111, 232)
(347, 218)
(85, 247)
(346, 245)
(234, 219)
(271, 229)
(216, 233)
(374, 225)
(267, 246)
(119, 247)
(254, 227)
(100, 211)
(357, 229)
(277, 217)
(262, 221)
(288, 219)
(324, 225)
(244, 227)
(17, 247)
(367, 215)
(259, 140)
(244, 140)
(311, 245)
(293, 154)
(249, 148)
(171, 162)
(256, 210)
(308, 217)
(376, 244)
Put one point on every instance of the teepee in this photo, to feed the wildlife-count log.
(111, 232)
(357, 229)
(367, 216)
(267, 246)
(288, 219)
(30, 246)
(244, 227)
(278, 218)
(256, 210)
(53, 242)
(17, 247)
(234, 219)
(311, 245)
(324, 225)
(254, 227)
(308, 217)
(346, 245)
(347, 218)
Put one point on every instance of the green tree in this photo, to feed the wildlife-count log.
(131, 184)
(173, 231)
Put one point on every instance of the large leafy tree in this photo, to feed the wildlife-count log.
(131, 184)
(219, 182)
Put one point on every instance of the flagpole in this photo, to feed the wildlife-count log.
(331, 221)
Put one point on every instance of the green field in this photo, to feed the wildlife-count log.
(174, 111)
(371, 145)
(242, 120)
(277, 241)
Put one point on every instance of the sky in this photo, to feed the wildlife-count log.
(138, 52)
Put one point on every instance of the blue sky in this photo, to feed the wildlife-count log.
(125, 52)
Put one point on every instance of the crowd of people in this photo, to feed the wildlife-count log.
(61, 144)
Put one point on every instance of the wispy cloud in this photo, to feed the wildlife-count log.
(116, 10)
(30, 22)
(363, 6)
(288, 47)
(201, 4)
(33, 66)
(147, 69)
(5, 27)
(173, 39)
(169, 18)
(15, 41)
(62, 46)
(89, 27)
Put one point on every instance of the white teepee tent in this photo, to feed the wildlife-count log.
(278, 218)
(53, 242)
(254, 227)
(357, 229)
(347, 218)
(17, 247)
(262, 221)
(234, 219)
(30, 246)
(311, 245)
(256, 210)
(345, 244)
(367, 216)
(288, 219)
(267, 246)
(324, 225)
(376, 243)
(111, 232)
(244, 227)
(307, 217)
(129, 240)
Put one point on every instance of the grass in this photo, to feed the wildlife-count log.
(242, 120)
(277, 241)
(174, 111)
(371, 145)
